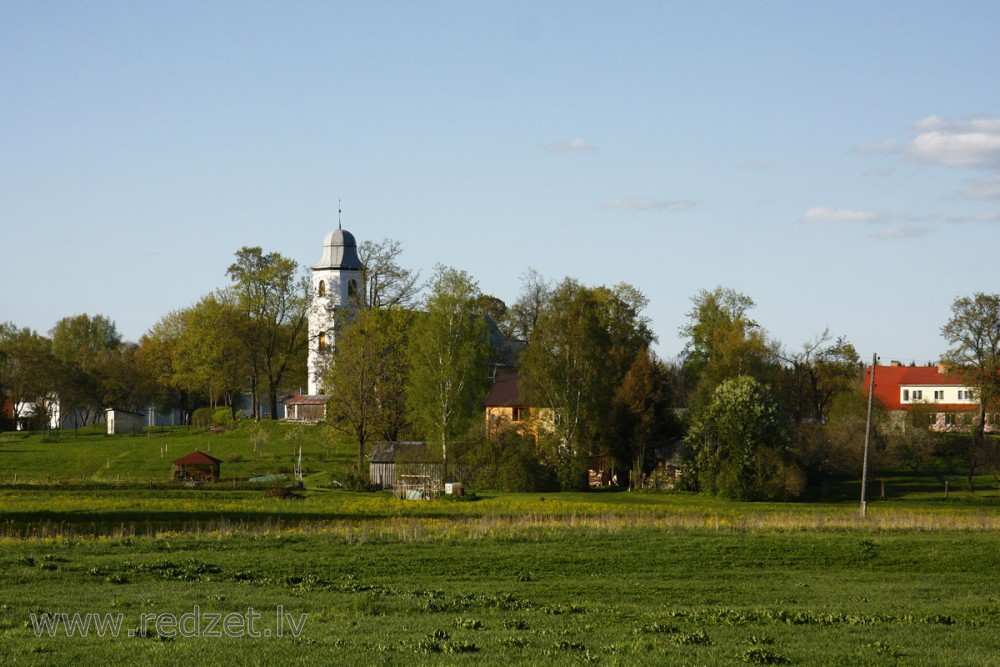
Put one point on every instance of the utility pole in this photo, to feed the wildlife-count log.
(868, 437)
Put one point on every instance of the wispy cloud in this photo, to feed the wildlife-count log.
(970, 143)
(824, 214)
(572, 146)
(982, 188)
(897, 232)
(649, 204)
(903, 224)
(975, 218)
(878, 148)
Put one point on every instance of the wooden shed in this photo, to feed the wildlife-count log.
(198, 466)
(389, 462)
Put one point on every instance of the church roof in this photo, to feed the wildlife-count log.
(340, 251)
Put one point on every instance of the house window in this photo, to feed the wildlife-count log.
(906, 394)
(322, 288)
(918, 394)
(519, 414)
(938, 394)
(965, 394)
(322, 341)
(949, 419)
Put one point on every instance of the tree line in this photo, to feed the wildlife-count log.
(414, 360)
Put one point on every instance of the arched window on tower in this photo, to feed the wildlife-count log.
(322, 288)
(322, 341)
(352, 288)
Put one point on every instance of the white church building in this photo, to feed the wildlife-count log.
(337, 288)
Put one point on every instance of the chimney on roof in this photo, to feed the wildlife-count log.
(942, 367)
(895, 363)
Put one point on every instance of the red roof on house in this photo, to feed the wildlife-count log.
(197, 458)
(506, 391)
(889, 379)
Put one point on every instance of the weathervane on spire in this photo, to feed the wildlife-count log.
(339, 211)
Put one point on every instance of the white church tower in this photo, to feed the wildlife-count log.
(337, 285)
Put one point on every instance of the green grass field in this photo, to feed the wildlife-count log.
(610, 578)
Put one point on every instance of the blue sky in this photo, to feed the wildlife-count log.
(837, 162)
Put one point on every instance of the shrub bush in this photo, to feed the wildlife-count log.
(203, 417)
(356, 480)
(222, 417)
(509, 463)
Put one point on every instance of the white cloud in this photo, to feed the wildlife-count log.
(649, 204)
(904, 221)
(962, 143)
(824, 214)
(981, 218)
(897, 232)
(572, 146)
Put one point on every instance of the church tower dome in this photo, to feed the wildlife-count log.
(340, 251)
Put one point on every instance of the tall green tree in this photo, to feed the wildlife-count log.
(449, 359)
(367, 376)
(640, 412)
(723, 342)
(563, 368)
(973, 332)
(120, 381)
(82, 345)
(196, 356)
(158, 360)
(210, 352)
(272, 299)
(823, 369)
(740, 444)
(27, 368)
(388, 284)
(523, 315)
(582, 345)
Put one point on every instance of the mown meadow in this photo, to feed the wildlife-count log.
(612, 578)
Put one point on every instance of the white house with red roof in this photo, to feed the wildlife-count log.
(949, 402)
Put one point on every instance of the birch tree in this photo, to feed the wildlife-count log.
(449, 359)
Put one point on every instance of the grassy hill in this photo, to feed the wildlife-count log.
(89, 456)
